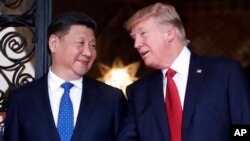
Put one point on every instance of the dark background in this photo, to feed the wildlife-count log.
(214, 27)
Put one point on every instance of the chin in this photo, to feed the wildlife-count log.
(148, 64)
(81, 72)
(151, 65)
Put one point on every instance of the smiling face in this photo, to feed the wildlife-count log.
(74, 53)
(152, 41)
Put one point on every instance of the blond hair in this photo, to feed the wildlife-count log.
(164, 13)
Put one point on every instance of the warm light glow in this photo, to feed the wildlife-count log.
(119, 75)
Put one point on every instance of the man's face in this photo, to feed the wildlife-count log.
(74, 53)
(150, 42)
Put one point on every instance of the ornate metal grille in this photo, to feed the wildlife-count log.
(23, 45)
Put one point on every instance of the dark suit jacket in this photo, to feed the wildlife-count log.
(29, 115)
(214, 99)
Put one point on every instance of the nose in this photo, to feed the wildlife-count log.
(86, 51)
(138, 42)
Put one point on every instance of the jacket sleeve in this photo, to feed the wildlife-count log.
(129, 131)
(12, 132)
(239, 96)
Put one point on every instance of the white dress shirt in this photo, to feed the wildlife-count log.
(56, 92)
(181, 66)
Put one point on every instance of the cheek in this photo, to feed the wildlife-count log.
(151, 41)
(158, 48)
(93, 52)
(75, 51)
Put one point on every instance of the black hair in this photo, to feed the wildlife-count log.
(63, 22)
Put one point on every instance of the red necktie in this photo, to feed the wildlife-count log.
(173, 106)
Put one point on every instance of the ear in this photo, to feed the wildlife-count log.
(53, 43)
(170, 33)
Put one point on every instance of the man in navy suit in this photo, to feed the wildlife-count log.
(212, 91)
(98, 109)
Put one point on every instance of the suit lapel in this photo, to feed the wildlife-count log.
(43, 108)
(88, 100)
(194, 83)
(157, 99)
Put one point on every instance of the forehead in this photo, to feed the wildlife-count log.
(143, 24)
(81, 30)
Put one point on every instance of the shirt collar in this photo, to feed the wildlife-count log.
(55, 81)
(181, 63)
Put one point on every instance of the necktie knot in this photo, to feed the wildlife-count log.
(67, 85)
(171, 73)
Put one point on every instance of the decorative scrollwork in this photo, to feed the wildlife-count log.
(2, 105)
(17, 54)
(14, 43)
(17, 49)
(27, 18)
(12, 3)
(15, 46)
(20, 78)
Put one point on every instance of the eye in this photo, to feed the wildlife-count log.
(143, 33)
(80, 42)
(93, 45)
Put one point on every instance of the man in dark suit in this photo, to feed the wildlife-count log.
(209, 93)
(33, 110)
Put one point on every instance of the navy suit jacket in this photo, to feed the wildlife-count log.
(215, 98)
(29, 116)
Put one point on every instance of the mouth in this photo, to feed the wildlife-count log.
(144, 53)
(83, 62)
